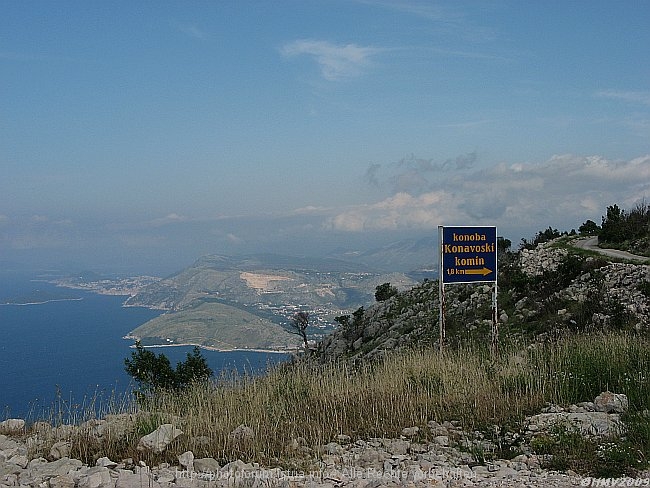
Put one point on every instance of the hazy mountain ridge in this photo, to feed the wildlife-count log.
(409, 256)
(252, 278)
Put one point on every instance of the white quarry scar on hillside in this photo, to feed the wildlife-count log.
(261, 282)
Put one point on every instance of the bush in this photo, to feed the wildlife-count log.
(153, 372)
(384, 292)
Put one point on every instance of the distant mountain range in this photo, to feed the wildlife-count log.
(234, 302)
(404, 256)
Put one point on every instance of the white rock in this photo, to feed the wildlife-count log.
(410, 431)
(206, 465)
(12, 426)
(19, 460)
(159, 439)
(39, 468)
(97, 477)
(609, 402)
(129, 479)
(165, 476)
(441, 440)
(62, 481)
(106, 463)
(237, 466)
(60, 450)
(186, 460)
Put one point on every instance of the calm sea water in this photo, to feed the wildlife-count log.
(72, 351)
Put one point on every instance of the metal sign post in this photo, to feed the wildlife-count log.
(468, 255)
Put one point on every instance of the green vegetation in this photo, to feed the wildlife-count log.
(210, 323)
(154, 372)
(385, 291)
(627, 230)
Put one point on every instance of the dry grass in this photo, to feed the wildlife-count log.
(314, 403)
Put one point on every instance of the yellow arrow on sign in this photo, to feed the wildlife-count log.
(481, 271)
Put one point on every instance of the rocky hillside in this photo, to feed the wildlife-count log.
(550, 288)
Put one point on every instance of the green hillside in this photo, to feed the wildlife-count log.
(215, 325)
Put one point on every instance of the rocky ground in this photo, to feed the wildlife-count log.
(448, 459)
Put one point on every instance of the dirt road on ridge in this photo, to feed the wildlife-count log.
(591, 244)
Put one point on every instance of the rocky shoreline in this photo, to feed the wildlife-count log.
(38, 456)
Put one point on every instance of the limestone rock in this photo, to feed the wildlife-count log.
(106, 463)
(206, 465)
(599, 424)
(242, 434)
(187, 460)
(62, 481)
(60, 450)
(40, 469)
(159, 439)
(410, 431)
(609, 402)
(12, 426)
(19, 460)
(97, 477)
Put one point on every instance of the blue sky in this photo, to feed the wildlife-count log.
(173, 129)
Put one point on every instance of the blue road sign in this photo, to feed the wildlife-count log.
(468, 254)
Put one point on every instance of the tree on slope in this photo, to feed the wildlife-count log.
(299, 323)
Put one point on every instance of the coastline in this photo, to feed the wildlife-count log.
(212, 348)
(41, 303)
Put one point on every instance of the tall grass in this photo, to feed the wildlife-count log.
(309, 405)
(577, 368)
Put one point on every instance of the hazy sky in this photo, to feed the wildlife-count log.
(173, 129)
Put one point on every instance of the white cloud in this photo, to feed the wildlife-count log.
(194, 31)
(563, 192)
(639, 97)
(172, 218)
(428, 10)
(311, 210)
(233, 238)
(336, 61)
(399, 211)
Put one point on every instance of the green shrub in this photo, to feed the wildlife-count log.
(385, 291)
(153, 372)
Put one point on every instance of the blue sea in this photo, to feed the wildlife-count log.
(69, 352)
